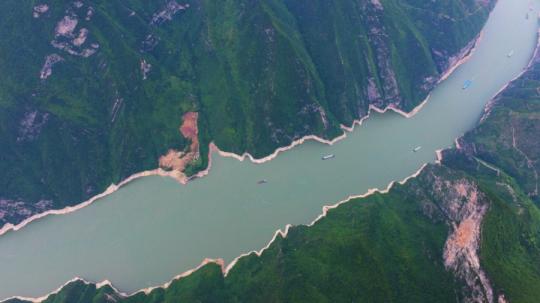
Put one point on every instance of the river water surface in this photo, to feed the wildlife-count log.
(153, 228)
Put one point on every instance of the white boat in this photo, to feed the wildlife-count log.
(417, 148)
(328, 157)
(510, 54)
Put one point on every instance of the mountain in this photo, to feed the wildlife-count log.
(466, 229)
(92, 92)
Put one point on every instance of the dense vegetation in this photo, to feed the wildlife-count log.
(393, 247)
(507, 141)
(94, 91)
(373, 250)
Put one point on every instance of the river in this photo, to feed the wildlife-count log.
(153, 228)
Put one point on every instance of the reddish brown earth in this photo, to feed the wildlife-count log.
(178, 160)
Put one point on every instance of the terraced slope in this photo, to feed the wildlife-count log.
(92, 92)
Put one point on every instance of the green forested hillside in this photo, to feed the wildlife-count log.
(94, 91)
(464, 230)
(503, 153)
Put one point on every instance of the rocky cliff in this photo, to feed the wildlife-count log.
(466, 230)
(92, 92)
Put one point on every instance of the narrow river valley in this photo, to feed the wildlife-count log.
(154, 228)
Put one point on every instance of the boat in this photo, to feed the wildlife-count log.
(467, 84)
(417, 148)
(328, 157)
(263, 181)
(510, 54)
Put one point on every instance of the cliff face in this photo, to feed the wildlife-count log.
(463, 206)
(502, 153)
(421, 242)
(465, 230)
(94, 91)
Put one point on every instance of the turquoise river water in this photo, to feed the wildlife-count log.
(153, 228)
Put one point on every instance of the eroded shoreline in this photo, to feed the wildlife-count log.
(213, 148)
(467, 52)
(225, 268)
(325, 209)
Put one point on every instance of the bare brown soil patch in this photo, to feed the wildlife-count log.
(178, 160)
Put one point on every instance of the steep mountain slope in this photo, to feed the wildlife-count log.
(503, 154)
(467, 230)
(92, 92)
